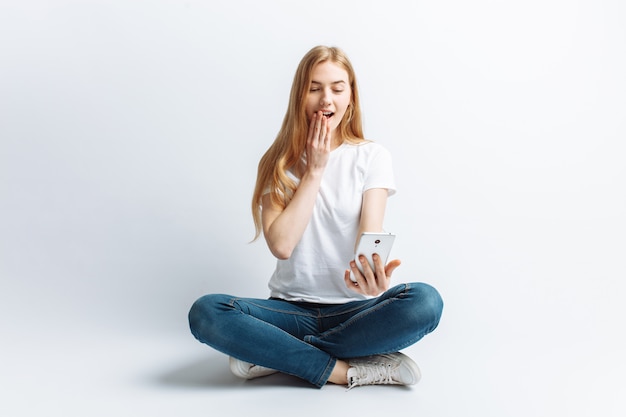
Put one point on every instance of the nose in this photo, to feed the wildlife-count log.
(325, 99)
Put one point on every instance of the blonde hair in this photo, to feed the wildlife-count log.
(287, 150)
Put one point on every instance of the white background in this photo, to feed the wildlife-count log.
(130, 132)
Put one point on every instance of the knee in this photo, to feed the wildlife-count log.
(428, 305)
(202, 316)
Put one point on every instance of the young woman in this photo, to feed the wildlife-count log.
(319, 186)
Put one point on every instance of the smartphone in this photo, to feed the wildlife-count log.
(371, 243)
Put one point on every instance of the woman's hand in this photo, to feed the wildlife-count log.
(370, 282)
(318, 142)
(283, 227)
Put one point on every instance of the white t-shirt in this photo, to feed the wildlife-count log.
(315, 270)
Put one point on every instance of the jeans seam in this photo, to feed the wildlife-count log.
(234, 300)
(327, 371)
(352, 320)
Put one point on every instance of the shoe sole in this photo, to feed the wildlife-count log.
(244, 369)
(412, 367)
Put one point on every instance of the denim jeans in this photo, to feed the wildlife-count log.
(306, 339)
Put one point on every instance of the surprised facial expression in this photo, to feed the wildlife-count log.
(329, 93)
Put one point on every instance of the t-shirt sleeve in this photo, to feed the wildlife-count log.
(380, 171)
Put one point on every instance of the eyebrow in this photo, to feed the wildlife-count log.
(333, 83)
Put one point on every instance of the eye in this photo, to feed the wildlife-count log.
(313, 89)
(338, 91)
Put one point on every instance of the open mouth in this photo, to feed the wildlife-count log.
(328, 114)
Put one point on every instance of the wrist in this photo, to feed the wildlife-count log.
(313, 173)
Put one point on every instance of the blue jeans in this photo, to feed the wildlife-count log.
(306, 339)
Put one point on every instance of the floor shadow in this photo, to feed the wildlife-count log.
(200, 373)
(213, 372)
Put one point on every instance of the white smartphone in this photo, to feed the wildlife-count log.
(371, 243)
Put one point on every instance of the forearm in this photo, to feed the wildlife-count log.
(372, 212)
(284, 229)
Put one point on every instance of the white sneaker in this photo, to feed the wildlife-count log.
(247, 370)
(393, 368)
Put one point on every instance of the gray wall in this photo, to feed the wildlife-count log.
(130, 134)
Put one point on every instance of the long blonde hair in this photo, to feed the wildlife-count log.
(287, 150)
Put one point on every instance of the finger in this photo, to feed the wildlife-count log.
(358, 275)
(327, 136)
(368, 274)
(323, 122)
(391, 266)
(354, 286)
(312, 128)
(378, 265)
(368, 281)
(318, 124)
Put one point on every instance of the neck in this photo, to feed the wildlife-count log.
(337, 140)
